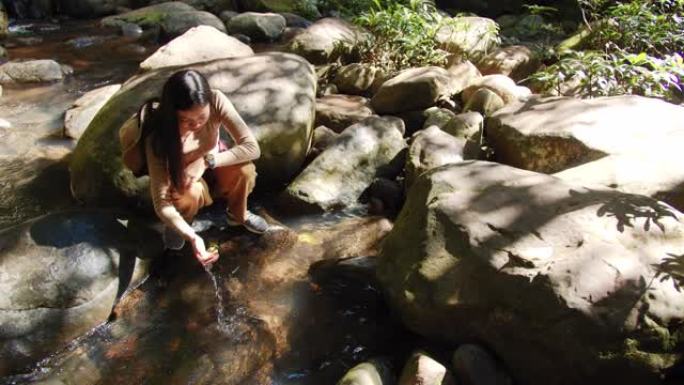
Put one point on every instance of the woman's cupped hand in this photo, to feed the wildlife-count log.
(204, 256)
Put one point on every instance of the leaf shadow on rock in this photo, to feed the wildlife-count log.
(672, 267)
(528, 213)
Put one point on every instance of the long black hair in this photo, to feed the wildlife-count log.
(182, 91)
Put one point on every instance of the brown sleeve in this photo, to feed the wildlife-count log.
(160, 190)
(246, 147)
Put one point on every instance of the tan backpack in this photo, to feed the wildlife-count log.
(132, 140)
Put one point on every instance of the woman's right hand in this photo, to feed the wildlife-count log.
(203, 256)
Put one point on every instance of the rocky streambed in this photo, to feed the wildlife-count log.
(436, 225)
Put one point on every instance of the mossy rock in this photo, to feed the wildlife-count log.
(279, 109)
(171, 18)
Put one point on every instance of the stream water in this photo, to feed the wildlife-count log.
(257, 317)
(33, 152)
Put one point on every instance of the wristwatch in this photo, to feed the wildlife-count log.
(211, 162)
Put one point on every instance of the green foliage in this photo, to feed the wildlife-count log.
(403, 32)
(655, 27)
(593, 73)
(633, 47)
(403, 35)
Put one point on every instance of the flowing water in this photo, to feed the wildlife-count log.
(33, 152)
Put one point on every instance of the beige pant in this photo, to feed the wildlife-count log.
(233, 183)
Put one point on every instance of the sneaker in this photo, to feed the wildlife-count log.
(172, 240)
(253, 222)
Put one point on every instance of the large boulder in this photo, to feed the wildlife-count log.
(326, 40)
(278, 107)
(338, 176)
(469, 36)
(61, 275)
(32, 71)
(257, 26)
(565, 284)
(84, 109)
(199, 44)
(323, 137)
(172, 18)
(341, 111)
(414, 89)
(552, 134)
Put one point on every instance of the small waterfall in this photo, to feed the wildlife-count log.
(221, 318)
(231, 322)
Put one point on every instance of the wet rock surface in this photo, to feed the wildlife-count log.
(273, 324)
